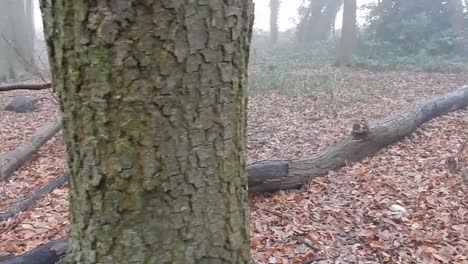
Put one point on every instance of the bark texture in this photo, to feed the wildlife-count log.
(272, 175)
(12, 160)
(153, 95)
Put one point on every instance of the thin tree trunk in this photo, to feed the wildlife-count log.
(154, 112)
(458, 20)
(30, 32)
(9, 62)
(349, 44)
(274, 13)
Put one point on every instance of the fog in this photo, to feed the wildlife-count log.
(288, 14)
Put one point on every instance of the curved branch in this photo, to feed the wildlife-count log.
(35, 87)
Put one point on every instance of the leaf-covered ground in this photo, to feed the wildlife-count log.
(398, 206)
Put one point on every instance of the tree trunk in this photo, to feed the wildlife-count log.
(349, 44)
(307, 27)
(328, 19)
(12, 160)
(18, 36)
(8, 60)
(458, 24)
(274, 12)
(30, 32)
(272, 175)
(154, 112)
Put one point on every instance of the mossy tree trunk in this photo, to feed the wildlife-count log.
(153, 95)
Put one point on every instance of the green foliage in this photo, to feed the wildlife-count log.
(418, 62)
(410, 27)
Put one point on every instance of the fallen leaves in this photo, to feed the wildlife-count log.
(401, 205)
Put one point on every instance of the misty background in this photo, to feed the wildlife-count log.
(305, 26)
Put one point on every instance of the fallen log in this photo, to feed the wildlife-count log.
(11, 87)
(28, 201)
(12, 160)
(271, 175)
(365, 139)
(49, 253)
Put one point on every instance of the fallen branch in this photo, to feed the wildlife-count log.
(34, 87)
(12, 160)
(33, 197)
(49, 253)
(272, 175)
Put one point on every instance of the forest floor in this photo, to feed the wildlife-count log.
(400, 205)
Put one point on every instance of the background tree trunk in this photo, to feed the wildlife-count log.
(458, 24)
(30, 34)
(327, 19)
(153, 95)
(349, 43)
(17, 39)
(7, 54)
(274, 13)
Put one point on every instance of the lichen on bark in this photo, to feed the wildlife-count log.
(153, 95)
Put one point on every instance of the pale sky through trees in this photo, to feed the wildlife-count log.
(288, 12)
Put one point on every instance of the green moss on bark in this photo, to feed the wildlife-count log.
(153, 95)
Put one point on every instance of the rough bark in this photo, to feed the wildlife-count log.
(12, 87)
(50, 253)
(349, 43)
(12, 160)
(271, 175)
(28, 201)
(153, 95)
